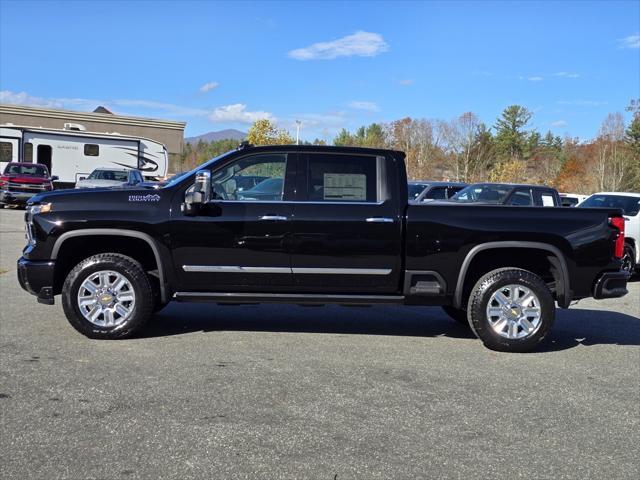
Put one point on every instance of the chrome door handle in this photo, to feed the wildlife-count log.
(379, 220)
(274, 218)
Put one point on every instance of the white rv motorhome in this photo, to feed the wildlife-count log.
(73, 153)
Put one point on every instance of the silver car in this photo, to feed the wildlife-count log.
(111, 177)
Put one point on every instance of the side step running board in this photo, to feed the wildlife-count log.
(297, 298)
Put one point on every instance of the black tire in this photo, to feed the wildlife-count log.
(1, 206)
(458, 314)
(493, 282)
(127, 267)
(629, 259)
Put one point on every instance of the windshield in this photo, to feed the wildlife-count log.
(482, 194)
(178, 178)
(115, 175)
(629, 205)
(415, 189)
(31, 170)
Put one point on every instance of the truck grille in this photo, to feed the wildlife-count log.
(25, 187)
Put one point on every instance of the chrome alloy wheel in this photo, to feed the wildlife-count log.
(514, 312)
(106, 298)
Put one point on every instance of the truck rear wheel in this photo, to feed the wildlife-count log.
(511, 310)
(629, 259)
(107, 296)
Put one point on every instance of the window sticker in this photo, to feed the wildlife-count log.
(345, 186)
(547, 201)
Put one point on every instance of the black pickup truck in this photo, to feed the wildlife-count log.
(325, 225)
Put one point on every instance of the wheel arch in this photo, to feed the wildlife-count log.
(563, 290)
(148, 239)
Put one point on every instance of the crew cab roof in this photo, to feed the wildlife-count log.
(438, 183)
(107, 169)
(512, 185)
(321, 148)
(26, 164)
(626, 194)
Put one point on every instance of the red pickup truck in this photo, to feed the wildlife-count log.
(21, 181)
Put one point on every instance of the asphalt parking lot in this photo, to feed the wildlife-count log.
(322, 393)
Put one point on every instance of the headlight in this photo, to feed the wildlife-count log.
(43, 208)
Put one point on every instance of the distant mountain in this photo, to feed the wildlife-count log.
(230, 133)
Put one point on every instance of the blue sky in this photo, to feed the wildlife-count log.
(221, 65)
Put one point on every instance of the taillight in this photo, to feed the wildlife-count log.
(3, 182)
(618, 245)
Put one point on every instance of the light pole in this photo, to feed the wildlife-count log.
(298, 123)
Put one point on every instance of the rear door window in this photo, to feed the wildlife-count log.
(343, 178)
(521, 197)
(546, 198)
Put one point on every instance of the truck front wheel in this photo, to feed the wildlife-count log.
(511, 310)
(107, 296)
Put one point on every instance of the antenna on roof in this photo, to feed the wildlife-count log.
(244, 144)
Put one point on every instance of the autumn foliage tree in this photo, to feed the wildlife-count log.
(465, 149)
(263, 132)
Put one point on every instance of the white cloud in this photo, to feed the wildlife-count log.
(88, 104)
(406, 82)
(559, 124)
(632, 41)
(237, 113)
(23, 98)
(361, 44)
(368, 106)
(207, 87)
(566, 74)
(535, 79)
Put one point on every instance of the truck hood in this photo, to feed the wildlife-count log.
(99, 183)
(102, 197)
(27, 179)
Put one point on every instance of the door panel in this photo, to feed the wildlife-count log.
(345, 246)
(239, 241)
(335, 248)
(230, 246)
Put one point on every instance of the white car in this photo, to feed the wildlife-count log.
(629, 202)
(111, 177)
(572, 199)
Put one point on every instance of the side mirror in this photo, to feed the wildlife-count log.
(54, 178)
(200, 195)
(202, 185)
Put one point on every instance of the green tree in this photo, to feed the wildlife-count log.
(263, 132)
(344, 138)
(632, 140)
(511, 136)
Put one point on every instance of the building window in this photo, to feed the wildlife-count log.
(91, 150)
(28, 152)
(6, 151)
